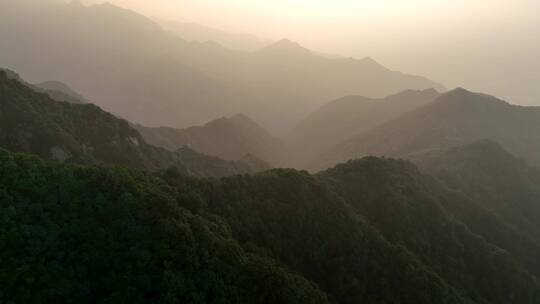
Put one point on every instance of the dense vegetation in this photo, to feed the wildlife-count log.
(412, 209)
(34, 123)
(369, 231)
(94, 209)
(504, 195)
(91, 235)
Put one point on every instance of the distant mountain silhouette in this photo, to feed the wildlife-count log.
(61, 92)
(200, 33)
(343, 118)
(32, 122)
(455, 118)
(55, 89)
(286, 48)
(131, 66)
(231, 138)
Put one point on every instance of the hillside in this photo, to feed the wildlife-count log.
(504, 184)
(369, 231)
(61, 92)
(456, 118)
(416, 211)
(503, 192)
(343, 118)
(96, 235)
(229, 138)
(161, 79)
(55, 89)
(32, 122)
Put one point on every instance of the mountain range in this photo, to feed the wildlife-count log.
(54, 89)
(190, 31)
(369, 231)
(119, 185)
(161, 79)
(32, 122)
(229, 138)
(346, 117)
(453, 119)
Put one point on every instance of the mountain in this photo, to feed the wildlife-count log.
(416, 211)
(503, 192)
(229, 138)
(369, 231)
(55, 89)
(200, 33)
(454, 119)
(284, 49)
(504, 184)
(93, 235)
(343, 118)
(61, 92)
(83, 54)
(32, 122)
(131, 66)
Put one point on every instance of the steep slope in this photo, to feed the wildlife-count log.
(370, 231)
(160, 79)
(96, 235)
(299, 220)
(34, 123)
(61, 92)
(229, 138)
(413, 210)
(55, 89)
(343, 118)
(492, 176)
(455, 118)
(500, 183)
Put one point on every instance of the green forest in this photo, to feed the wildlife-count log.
(369, 231)
(149, 160)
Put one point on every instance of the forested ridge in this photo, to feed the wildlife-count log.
(94, 235)
(369, 231)
(141, 166)
(32, 122)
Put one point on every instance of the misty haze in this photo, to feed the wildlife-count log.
(251, 151)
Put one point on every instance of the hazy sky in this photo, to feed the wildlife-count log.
(485, 45)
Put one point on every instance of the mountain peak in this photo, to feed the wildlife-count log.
(460, 90)
(241, 117)
(430, 91)
(462, 95)
(368, 63)
(287, 43)
(286, 46)
(238, 119)
(8, 74)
